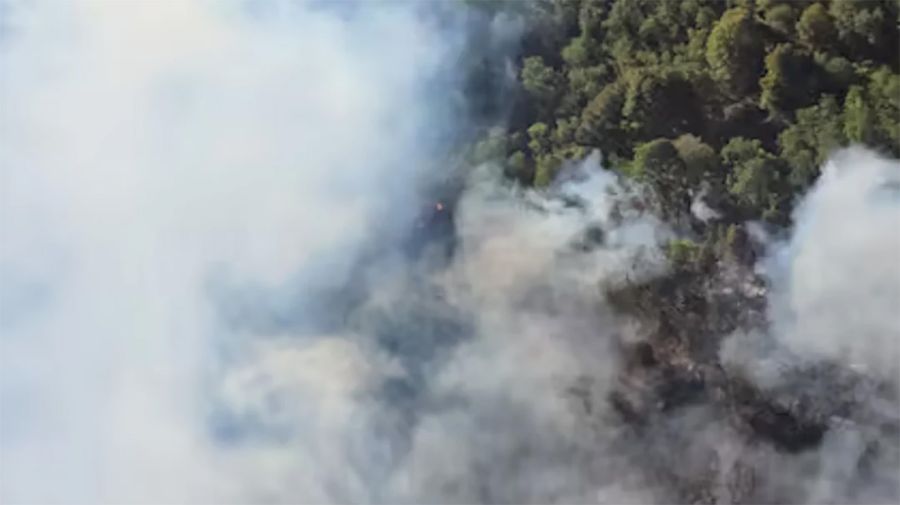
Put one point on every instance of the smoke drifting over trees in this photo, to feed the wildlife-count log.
(281, 253)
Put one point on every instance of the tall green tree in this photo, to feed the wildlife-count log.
(662, 102)
(754, 177)
(601, 120)
(782, 18)
(867, 29)
(816, 27)
(700, 159)
(884, 93)
(817, 132)
(859, 118)
(542, 82)
(657, 162)
(735, 51)
(792, 79)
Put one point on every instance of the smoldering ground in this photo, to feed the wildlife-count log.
(215, 288)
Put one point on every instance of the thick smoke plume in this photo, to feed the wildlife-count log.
(158, 160)
(831, 348)
(841, 287)
(218, 286)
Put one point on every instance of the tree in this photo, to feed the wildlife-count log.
(859, 119)
(564, 133)
(744, 118)
(816, 28)
(867, 29)
(642, 31)
(782, 18)
(540, 138)
(542, 82)
(818, 131)
(601, 119)
(682, 253)
(838, 73)
(734, 51)
(657, 162)
(700, 159)
(584, 84)
(545, 170)
(754, 174)
(518, 168)
(662, 102)
(548, 26)
(792, 80)
(580, 51)
(884, 94)
(799, 77)
(590, 19)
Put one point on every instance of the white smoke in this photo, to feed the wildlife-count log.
(531, 284)
(839, 302)
(833, 335)
(835, 281)
(840, 296)
(149, 151)
(192, 312)
(187, 188)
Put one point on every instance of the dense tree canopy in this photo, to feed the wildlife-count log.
(741, 100)
(734, 51)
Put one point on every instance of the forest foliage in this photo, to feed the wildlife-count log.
(738, 102)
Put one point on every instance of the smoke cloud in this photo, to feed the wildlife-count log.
(158, 158)
(217, 284)
(830, 345)
(840, 295)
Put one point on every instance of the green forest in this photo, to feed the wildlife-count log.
(739, 101)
